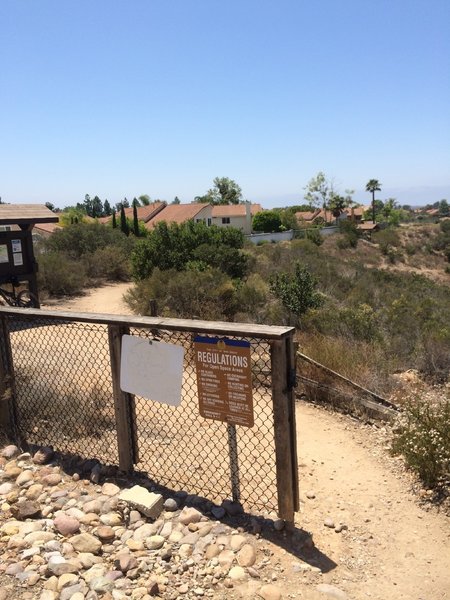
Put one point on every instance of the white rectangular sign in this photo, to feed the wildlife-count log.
(18, 259)
(152, 369)
(16, 245)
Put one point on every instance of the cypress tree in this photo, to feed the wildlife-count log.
(114, 222)
(135, 220)
(123, 221)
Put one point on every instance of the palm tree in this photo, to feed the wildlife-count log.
(373, 185)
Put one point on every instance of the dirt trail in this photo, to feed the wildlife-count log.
(391, 549)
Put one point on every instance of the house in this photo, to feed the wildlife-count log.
(235, 215)
(44, 230)
(180, 213)
(144, 213)
(307, 216)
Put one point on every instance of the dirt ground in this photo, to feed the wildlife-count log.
(391, 547)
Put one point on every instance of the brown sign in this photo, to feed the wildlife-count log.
(224, 380)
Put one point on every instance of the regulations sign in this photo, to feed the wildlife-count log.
(224, 380)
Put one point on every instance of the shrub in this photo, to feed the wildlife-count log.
(59, 275)
(350, 235)
(111, 262)
(314, 236)
(296, 291)
(267, 221)
(386, 239)
(207, 294)
(422, 436)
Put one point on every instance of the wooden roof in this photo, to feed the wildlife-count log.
(26, 214)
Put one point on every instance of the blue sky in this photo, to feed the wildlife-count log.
(120, 98)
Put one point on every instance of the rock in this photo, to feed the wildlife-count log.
(26, 509)
(171, 505)
(10, 451)
(279, 524)
(43, 456)
(6, 488)
(310, 495)
(110, 489)
(340, 527)
(147, 503)
(106, 533)
(48, 595)
(66, 525)
(154, 542)
(331, 591)
(85, 542)
(52, 479)
(246, 556)
(66, 580)
(24, 479)
(237, 574)
(270, 592)
(153, 588)
(237, 541)
(232, 508)
(112, 519)
(218, 512)
(57, 565)
(10, 473)
(189, 515)
(211, 551)
(34, 491)
(101, 585)
(95, 474)
(329, 523)
(125, 563)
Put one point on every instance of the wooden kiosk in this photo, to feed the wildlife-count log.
(17, 261)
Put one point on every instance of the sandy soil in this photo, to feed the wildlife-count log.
(106, 299)
(392, 547)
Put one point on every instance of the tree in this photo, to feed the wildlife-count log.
(107, 208)
(135, 218)
(443, 208)
(114, 221)
(96, 207)
(145, 199)
(192, 246)
(225, 191)
(319, 191)
(267, 221)
(124, 228)
(49, 205)
(337, 205)
(176, 200)
(372, 186)
(297, 291)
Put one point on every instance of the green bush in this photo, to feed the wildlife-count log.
(110, 262)
(208, 294)
(387, 238)
(59, 275)
(314, 236)
(422, 436)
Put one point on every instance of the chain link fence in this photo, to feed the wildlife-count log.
(64, 397)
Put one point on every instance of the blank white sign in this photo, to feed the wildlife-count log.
(151, 369)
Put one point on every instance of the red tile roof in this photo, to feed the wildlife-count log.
(144, 213)
(176, 213)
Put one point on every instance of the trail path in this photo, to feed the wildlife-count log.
(391, 548)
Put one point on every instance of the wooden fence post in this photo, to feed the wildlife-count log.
(123, 403)
(8, 412)
(283, 383)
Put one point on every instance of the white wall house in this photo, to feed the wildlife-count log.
(235, 215)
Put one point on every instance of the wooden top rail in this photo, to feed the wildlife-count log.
(269, 332)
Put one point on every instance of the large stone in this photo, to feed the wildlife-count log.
(24, 479)
(237, 574)
(6, 488)
(154, 542)
(10, 451)
(66, 525)
(247, 555)
(269, 592)
(112, 519)
(237, 541)
(57, 565)
(26, 509)
(189, 515)
(110, 489)
(85, 542)
(52, 479)
(147, 503)
(106, 533)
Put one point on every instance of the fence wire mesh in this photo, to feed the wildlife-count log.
(64, 398)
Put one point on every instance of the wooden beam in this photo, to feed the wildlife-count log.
(284, 430)
(123, 402)
(221, 328)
